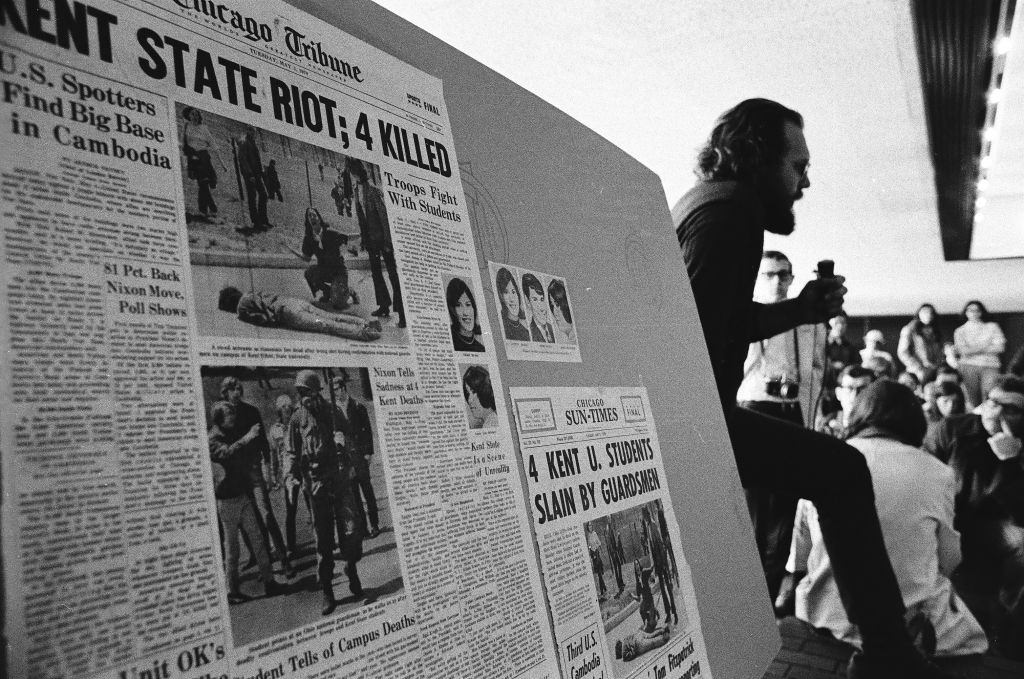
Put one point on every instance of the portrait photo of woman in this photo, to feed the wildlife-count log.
(464, 316)
(476, 388)
(558, 301)
(512, 313)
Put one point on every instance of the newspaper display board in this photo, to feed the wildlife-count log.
(217, 213)
(619, 588)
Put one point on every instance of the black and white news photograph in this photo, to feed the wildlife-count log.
(287, 240)
(303, 510)
(536, 312)
(464, 314)
(477, 389)
(637, 582)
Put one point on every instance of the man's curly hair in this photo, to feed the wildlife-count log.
(746, 138)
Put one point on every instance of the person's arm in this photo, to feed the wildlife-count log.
(820, 300)
(774, 319)
(221, 450)
(996, 340)
(961, 342)
(948, 538)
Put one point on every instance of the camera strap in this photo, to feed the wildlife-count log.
(796, 353)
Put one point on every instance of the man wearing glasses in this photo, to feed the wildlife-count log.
(852, 380)
(984, 451)
(771, 385)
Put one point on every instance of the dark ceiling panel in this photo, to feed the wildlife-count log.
(954, 43)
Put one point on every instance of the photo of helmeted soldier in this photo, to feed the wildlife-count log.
(327, 474)
(323, 461)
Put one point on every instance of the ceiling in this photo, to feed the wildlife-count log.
(652, 77)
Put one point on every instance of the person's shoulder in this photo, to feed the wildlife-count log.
(724, 209)
(721, 192)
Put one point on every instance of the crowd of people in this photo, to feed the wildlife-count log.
(319, 449)
(941, 428)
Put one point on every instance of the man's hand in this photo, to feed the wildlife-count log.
(822, 298)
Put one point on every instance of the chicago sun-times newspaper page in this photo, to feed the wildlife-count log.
(250, 392)
(618, 585)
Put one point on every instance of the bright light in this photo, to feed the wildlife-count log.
(982, 185)
(994, 96)
(989, 134)
(978, 217)
(980, 202)
(986, 162)
(1002, 46)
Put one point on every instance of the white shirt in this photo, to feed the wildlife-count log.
(775, 357)
(914, 499)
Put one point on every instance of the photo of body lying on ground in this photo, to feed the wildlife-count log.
(631, 551)
(276, 218)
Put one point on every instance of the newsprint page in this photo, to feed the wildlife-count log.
(619, 587)
(249, 393)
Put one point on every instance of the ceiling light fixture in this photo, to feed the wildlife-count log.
(1002, 46)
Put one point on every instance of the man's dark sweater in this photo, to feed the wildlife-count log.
(720, 225)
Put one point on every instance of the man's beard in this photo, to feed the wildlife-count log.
(778, 205)
(779, 218)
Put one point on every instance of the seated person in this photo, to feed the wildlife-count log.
(873, 341)
(887, 425)
(880, 366)
(911, 381)
(984, 453)
(852, 380)
(269, 310)
(949, 399)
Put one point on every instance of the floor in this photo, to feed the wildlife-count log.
(807, 655)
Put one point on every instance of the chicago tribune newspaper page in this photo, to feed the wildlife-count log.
(250, 395)
(619, 588)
